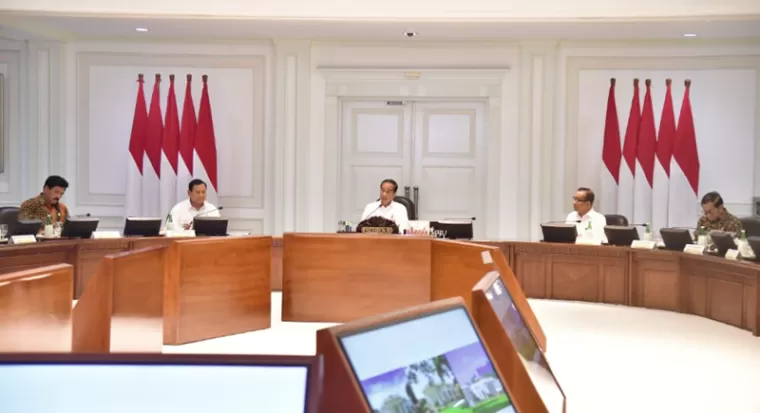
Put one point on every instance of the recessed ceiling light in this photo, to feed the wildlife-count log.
(141, 29)
(690, 35)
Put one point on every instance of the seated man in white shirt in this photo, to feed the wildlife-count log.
(184, 212)
(386, 208)
(583, 203)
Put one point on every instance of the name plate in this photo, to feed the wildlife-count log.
(377, 230)
(106, 234)
(180, 234)
(732, 255)
(22, 239)
(694, 249)
(643, 244)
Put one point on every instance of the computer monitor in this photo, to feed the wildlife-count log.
(142, 227)
(453, 228)
(560, 233)
(723, 241)
(25, 227)
(210, 226)
(676, 239)
(169, 383)
(79, 227)
(620, 235)
(501, 307)
(431, 361)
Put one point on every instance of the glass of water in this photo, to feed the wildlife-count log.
(3, 231)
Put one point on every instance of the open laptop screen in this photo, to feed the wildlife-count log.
(99, 387)
(433, 363)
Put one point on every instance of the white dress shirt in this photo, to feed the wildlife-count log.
(183, 213)
(598, 222)
(394, 211)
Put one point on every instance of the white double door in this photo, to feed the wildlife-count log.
(436, 147)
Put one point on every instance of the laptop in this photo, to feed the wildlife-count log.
(676, 239)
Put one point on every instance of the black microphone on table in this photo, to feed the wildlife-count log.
(577, 221)
(207, 212)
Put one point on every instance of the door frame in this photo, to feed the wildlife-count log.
(416, 85)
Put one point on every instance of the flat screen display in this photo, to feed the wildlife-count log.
(130, 388)
(527, 348)
(432, 364)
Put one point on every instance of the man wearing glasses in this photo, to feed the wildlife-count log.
(584, 215)
(715, 216)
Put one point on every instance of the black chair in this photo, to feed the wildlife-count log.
(411, 209)
(9, 216)
(615, 219)
(751, 226)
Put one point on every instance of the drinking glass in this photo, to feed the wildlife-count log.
(3, 231)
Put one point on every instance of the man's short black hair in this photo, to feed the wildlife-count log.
(53, 181)
(194, 183)
(714, 198)
(589, 195)
(390, 181)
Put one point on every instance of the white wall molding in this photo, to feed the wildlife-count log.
(292, 103)
(14, 68)
(410, 84)
(567, 119)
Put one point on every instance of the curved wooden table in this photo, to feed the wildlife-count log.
(707, 286)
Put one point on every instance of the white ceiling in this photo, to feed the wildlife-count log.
(98, 28)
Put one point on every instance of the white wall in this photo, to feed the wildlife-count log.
(550, 102)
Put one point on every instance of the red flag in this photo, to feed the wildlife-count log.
(611, 151)
(151, 188)
(170, 139)
(133, 204)
(155, 129)
(170, 150)
(189, 126)
(626, 187)
(205, 144)
(645, 147)
(632, 130)
(667, 131)
(139, 122)
(685, 150)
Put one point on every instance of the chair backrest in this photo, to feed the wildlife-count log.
(9, 216)
(411, 209)
(616, 219)
(751, 226)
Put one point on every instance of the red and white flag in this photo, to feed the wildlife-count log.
(645, 154)
(205, 147)
(186, 142)
(664, 152)
(152, 166)
(133, 205)
(611, 155)
(684, 170)
(169, 152)
(628, 169)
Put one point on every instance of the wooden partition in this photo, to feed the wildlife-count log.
(338, 278)
(343, 393)
(216, 287)
(457, 266)
(121, 310)
(505, 351)
(35, 309)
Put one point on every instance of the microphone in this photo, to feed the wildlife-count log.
(208, 212)
(87, 215)
(373, 211)
(577, 221)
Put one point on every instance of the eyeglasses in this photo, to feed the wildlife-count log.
(578, 200)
